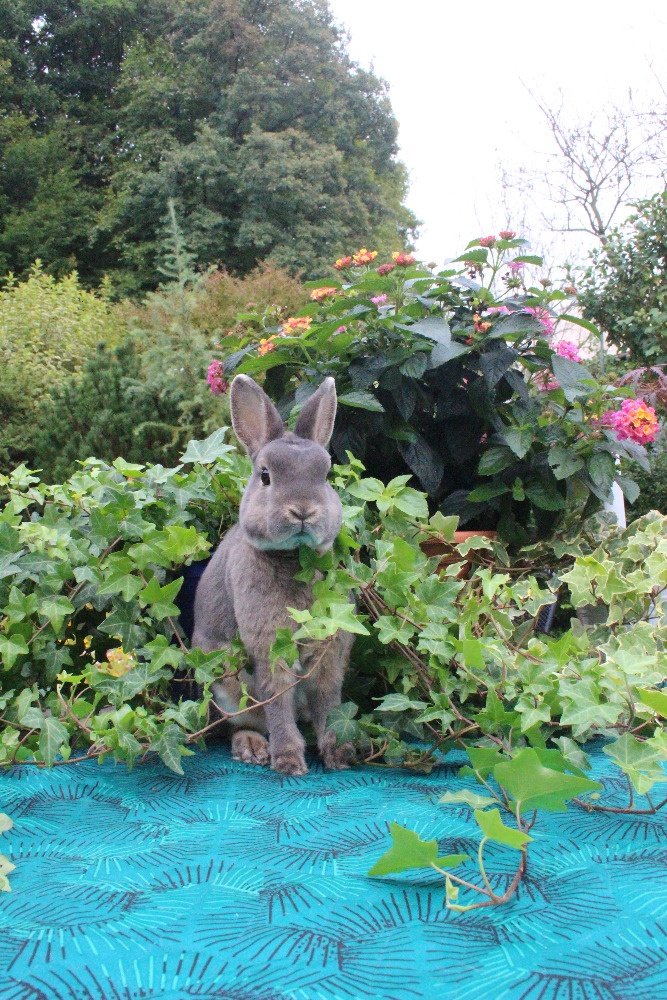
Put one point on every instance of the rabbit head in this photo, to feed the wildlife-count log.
(288, 501)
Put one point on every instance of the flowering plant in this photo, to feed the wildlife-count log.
(461, 378)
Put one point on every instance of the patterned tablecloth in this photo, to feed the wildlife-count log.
(239, 884)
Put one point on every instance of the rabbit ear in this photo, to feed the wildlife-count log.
(316, 419)
(254, 417)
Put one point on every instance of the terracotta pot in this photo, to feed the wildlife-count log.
(433, 547)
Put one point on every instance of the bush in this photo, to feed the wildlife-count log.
(48, 329)
(110, 409)
(457, 380)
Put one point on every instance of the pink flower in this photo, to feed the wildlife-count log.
(319, 294)
(497, 311)
(516, 267)
(544, 317)
(506, 234)
(379, 300)
(635, 420)
(567, 349)
(546, 382)
(217, 383)
(340, 329)
(487, 241)
(385, 269)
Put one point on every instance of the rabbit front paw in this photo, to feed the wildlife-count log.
(250, 747)
(290, 760)
(339, 758)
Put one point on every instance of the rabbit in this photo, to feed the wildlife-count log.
(250, 582)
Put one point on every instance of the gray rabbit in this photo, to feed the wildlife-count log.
(249, 582)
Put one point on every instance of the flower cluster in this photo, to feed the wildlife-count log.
(268, 344)
(320, 294)
(403, 259)
(385, 269)
(215, 378)
(487, 241)
(567, 349)
(342, 263)
(635, 420)
(295, 325)
(379, 300)
(507, 234)
(364, 256)
(544, 317)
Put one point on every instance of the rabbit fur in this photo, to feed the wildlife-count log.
(249, 582)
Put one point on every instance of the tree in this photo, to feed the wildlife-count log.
(624, 289)
(249, 114)
(597, 165)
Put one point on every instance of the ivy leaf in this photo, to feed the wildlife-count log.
(482, 760)
(11, 647)
(534, 786)
(494, 829)
(399, 703)
(169, 745)
(159, 599)
(162, 653)
(206, 665)
(468, 798)
(639, 760)
(657, 700)
(122, 621)
(118, 578)
(341, 720)
(52, 739)
(209, 450)
(56, 609)
(410, 851)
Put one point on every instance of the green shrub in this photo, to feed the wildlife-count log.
(48, 328)
(456, 378)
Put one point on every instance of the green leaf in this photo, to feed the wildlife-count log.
(494, 829)
(399, 703)
(602, 468)
(530, 259)
(361, 400)
(122, 621)
(564, 463)
(657, 700)
(534, 786)
(468, 798)
(341, 720)
(580, 321)
(482, 761)
(159, 599)
(519, 440)
(573, 378)
(52, 739)
(56, 609)
(11, 647)
(169, 745)
(639, 760)
(434, 328)
(410, 851)
(209, 450)
(494, 460)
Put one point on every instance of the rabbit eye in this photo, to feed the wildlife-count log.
(265, 477)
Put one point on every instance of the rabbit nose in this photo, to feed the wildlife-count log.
(301, 515)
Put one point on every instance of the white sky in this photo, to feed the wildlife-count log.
(458, 75)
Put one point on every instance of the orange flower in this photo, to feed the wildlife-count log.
(295, 325)
(265, 345)
(403, 259)
(364, 256)
(319, 294)
(342, 263)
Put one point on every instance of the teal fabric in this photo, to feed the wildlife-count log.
(238, 884)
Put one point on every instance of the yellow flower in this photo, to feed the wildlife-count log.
(295, 325)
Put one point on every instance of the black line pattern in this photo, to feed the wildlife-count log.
(234, 883)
